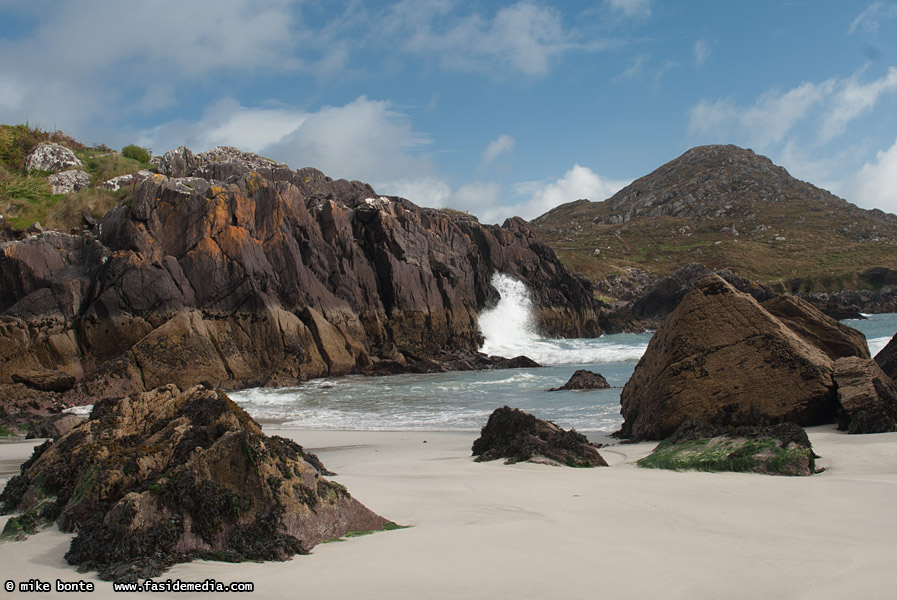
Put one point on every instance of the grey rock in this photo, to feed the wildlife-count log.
(67, 182)
(51, 157)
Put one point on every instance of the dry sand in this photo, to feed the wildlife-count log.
(535, 531)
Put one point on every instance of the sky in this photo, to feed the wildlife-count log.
(498, 108)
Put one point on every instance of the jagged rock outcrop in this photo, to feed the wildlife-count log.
(887, 358)
(54, 426)
(271, 277)
(130, 180)
(518, 436)
(782, 449)
(70, 181)
(51, 157)
(583, 380)
(720, 357)
(159, 477)
(867, 396)
(666, 294)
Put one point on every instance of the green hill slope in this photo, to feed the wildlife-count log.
(728, 208)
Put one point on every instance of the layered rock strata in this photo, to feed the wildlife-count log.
(236, 271)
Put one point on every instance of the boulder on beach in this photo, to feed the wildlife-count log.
(583, 379)
(887, 359)
(835, 339)
(720, 357)
(518, 436)
(867, 397)
(782, 449)
(163, 476)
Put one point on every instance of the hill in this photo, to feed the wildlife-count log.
(727, 208)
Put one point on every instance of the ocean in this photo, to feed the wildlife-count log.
(464, 400)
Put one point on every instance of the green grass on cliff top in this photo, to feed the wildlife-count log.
(25, 198)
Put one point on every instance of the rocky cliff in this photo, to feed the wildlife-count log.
(232, 270)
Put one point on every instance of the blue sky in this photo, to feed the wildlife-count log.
(500, 108)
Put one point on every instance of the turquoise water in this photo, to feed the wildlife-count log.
(464, 400)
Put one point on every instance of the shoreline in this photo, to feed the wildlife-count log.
(534, 531)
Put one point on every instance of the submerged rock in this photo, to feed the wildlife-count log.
(163, 476)
(518, 436)
(782, 449)
(583, 380)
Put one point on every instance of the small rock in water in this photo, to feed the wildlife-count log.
(584, 380)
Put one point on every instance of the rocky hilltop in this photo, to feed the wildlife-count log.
(726, 208)
(232, 270)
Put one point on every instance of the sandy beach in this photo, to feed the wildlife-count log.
(487, 530)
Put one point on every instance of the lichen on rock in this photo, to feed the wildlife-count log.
(163, 476)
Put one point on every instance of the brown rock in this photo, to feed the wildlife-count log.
(887, 359)
(835, 339)
(867, 396)
(55, 426)
(583, 380)
(518, 436)
(159, 477)
(45, 381)
(720, 357)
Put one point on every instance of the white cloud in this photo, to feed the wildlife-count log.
(523, 38)
(500, 145)
(579, 182)
(828, 106)
(875, 184)
(423, 191)
(869, 19)
(631, 8)
(702, 51)
(853, 99)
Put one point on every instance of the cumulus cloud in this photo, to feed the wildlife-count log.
(578, 182)
(500, 145)
(875, 184)
(829, 106)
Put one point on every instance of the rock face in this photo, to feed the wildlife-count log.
(583, 380)
(721, 358)
(827, 334)
(887, 358)
(67, 182)
(269, 276)
(54, 426)
(867, 397)
(782, 449)
(159, 477)
(517, 436)
(131, 180)
(51, 157)
(666, 294)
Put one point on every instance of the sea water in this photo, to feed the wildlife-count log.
(464, 400)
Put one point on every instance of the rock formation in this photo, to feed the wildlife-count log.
(52, 158)
(720, 357)
(236, 271)
(867, 397)
(835, 339)
(518, 436)
(159, 477)
(67, 182)
(583, 380)
(782, 449)
(887, 358)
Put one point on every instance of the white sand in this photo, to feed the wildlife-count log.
(535, 531)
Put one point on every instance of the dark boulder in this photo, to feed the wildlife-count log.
(518, 436)
(583, 380)
(721, 358)
(835, 339)
(867, 397)
(887, 358)
(46, 381)
(163, 476)
(54, 426)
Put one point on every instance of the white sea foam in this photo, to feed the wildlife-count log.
(876, 344)
(510, 330)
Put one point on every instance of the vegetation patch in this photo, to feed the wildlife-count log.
(388, 526)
